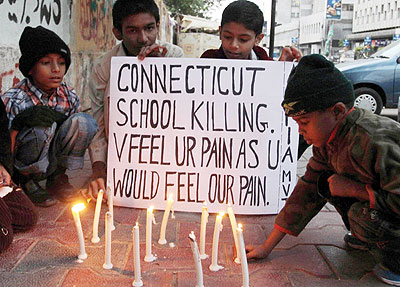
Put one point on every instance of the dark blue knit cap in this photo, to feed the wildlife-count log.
(315, 84)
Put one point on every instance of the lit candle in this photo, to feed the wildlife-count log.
(234, 226)
(217, 229)
(245, 269)
(170, 201)
(136, 255)
(95, 237)
(204, 220)
(197, 260)
(107, 264)
(149, 221)
(111, 206)
(75, 212)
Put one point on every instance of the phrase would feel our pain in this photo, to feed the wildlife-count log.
(202, 132)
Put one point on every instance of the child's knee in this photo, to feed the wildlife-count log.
(85, 123)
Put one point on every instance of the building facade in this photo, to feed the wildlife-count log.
(377, 19)
(305, 24)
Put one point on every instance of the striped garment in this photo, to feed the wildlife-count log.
(25, 95)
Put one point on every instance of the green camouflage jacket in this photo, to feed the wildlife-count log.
(365, 148)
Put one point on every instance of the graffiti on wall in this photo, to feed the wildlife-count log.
(19, 12)
(8, 76)
(95, 22)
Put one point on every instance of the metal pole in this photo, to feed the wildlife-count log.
(272, 32)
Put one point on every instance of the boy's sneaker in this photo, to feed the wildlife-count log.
(354, 242)
(58, 185)
(386, 275)
(37, 194)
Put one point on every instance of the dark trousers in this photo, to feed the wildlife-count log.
(380, 231)
(17, 213)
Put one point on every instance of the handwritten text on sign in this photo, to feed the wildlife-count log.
(202, 130)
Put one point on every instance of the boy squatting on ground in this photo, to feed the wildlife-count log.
(136, 24)
(48, 133)
(17, 212)
(355, 166)
(240, 33)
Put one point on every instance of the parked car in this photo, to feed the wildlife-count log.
(376, 80)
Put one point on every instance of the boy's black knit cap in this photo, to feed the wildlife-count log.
(315, 84)
(36, 43)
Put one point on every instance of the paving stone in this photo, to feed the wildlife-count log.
(85, 277)
(219, 279)
(51, 213)
(299, 279)
(348, 264)
(64, 233)
(125, 215)
(47, 254)
(14, 253)
(305, 258)
(268, 278)
(50, 277)
(328, 235)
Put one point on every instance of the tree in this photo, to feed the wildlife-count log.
(190, 7)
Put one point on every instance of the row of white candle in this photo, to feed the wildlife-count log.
(237, 234)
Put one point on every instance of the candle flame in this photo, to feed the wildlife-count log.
(221, 214)
(171, 196)
(205, 203)
(137, 224)
(78, 207)
(150, 209)
(240, 227)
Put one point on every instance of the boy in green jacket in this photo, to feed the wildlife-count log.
(355, 166)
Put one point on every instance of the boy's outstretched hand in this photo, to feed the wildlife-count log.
(256, 252)
(263, 250)
(152, 51)
(290, 54)
(97, 181)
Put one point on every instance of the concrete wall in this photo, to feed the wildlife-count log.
(85, 25)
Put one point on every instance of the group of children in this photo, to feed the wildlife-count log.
(356, 155)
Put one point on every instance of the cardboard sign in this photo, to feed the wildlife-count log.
(203, 130)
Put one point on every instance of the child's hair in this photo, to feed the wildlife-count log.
(246, 13)
(35, 43)
(125, 8)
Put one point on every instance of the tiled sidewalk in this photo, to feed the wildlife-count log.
(47, 255)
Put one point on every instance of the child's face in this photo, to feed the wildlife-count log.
(238, 41)
(48, 72)
(138, 31)
(317, 127)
